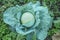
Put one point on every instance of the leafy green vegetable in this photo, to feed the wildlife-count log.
(43, 21)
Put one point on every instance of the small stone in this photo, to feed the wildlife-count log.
(27, 19)
(56, 36)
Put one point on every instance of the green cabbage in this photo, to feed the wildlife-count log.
(43, 21)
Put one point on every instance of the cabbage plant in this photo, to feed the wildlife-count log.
(29, 19)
